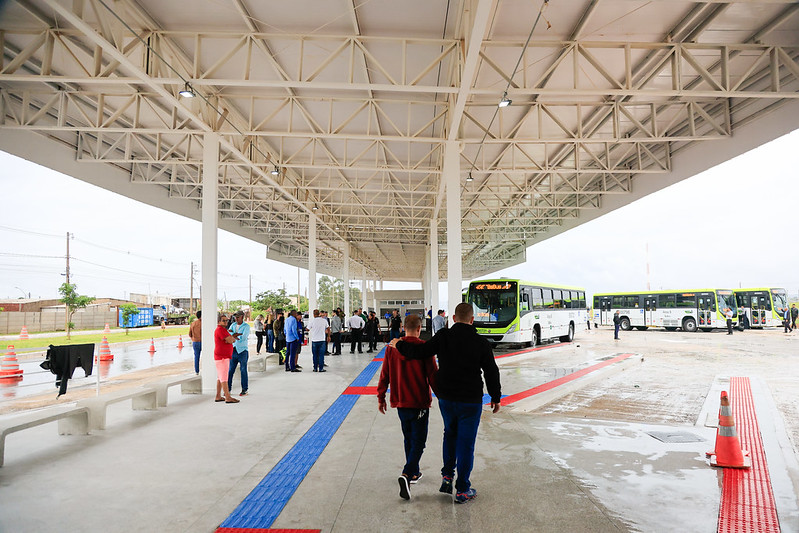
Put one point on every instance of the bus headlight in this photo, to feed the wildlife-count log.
(512, 329)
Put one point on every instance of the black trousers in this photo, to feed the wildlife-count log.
(356, 340)
(729, 326)
(260, 336)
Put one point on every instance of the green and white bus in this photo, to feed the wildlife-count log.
(763, 306)
(524, 312)
(689, 310)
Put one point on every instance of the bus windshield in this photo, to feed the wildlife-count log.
(495, 303)
(780, 301)
(727, 300)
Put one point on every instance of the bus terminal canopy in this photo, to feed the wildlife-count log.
(380, 121)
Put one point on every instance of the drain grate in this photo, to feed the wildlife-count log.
(675, 436)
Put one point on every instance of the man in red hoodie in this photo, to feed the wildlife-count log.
(410, 394)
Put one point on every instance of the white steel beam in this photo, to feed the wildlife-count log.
(454, 248)
(209, 258)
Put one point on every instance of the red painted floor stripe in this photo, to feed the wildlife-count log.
(361, 390)
(747, 500)
(507, 400)
(531, 350)
(252, 530)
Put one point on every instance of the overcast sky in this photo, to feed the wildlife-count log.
(734, 225)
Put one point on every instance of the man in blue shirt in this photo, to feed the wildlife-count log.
(292, 342)
(439, 322)
(240, 352)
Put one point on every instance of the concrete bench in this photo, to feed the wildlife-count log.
(191, 384)
(143, 399)
(257, 363)
(72, 420)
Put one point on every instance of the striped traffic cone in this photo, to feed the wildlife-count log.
(23, 335)
(728, 452)
(107, 329)
(9, 367)
(152, 347)
(180, 342)
(105, 351)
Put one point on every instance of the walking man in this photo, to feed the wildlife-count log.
(356, 324)
(196, 336)
(439, 322)
(317, 333)
(462, 355)
(616, 325)
(410, 382)
(292, 341)
(786, 320)
(223, 349)
(240, 352)
(794, 315)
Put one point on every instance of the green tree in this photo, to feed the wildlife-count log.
(330, 293)
(128, 310)
(73, 301)
(275, 299)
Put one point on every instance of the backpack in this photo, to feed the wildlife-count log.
(282, 356)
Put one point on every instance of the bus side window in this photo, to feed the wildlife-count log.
(548, 303)
(668, 300)
(557, 299)
(581, 298)
(524, 307)
(538, 300)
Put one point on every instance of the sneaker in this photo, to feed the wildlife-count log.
(463, 497)
(243, 393)
(415, 479)
(405, 487)
(446, 484)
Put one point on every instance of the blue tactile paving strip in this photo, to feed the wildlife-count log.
(263, 505)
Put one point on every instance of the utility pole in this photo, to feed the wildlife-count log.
(250, 310)
(66, 311)
(191, 290)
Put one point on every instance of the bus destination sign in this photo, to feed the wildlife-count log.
(492, 286)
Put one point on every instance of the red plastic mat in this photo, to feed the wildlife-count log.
(747, 500)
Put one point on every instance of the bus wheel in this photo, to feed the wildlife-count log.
(625, 324)
(689, 325)
(570, 336)
(536, 340)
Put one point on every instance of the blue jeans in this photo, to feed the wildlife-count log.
(395, 334)
(615, 331)
(318, 351)
(238, 358)
(291, 354)
(197, 348)
(461, 421)
(270, 340)
(414, 429)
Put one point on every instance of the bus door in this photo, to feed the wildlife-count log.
(759, 305)
(704, 306)
(650, 306)
(605, 314)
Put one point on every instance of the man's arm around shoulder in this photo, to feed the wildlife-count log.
(417, 350)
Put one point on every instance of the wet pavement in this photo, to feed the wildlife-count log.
(586, 461)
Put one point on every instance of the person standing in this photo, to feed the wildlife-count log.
(786, 320)
(278, 325)
(259, 333)
(356, 324)
(463, 355)
(223, 350)
(410, 382)
(270, 334)
(616, 325)
(372, 331)
(728, 314)
(196, 336)
(317, 333)
(336, 323)
(439, 322)
(794, 315)
(292, 341)
(241, 353)
(395, 324)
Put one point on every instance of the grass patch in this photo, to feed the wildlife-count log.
(116, 335)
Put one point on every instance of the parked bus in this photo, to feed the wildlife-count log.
(763, 306)
(690, 310)
(516, 311)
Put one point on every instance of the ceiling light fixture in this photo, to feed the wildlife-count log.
(505, 102)
(275, 171)
(315, 208)
(469, 177)
(187, 91)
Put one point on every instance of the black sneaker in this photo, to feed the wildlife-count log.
(463, 497)
(446, 485)
(415, 479)
(405, 487)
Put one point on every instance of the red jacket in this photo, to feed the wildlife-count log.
(410, 380)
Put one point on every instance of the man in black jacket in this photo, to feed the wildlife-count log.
(462, 356)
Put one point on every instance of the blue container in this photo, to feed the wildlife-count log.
(143, 318)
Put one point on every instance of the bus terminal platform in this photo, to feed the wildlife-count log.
(593, 436)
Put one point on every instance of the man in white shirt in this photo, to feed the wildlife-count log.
(318, 331)
(356, 324)
(439, 322)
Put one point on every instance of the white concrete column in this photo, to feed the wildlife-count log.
(346, 276)
(364, 289)
(374, 298)
(210, 215)
(426, 281)
(312, 304)
(452, 178)
(433, 264)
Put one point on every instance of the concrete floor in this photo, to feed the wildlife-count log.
(583, 463)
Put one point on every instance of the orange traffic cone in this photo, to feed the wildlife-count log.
(152, 347)
(105, 351)
(107, 329)
(9, 367)
(180, 342)
(728, 452)
(23, 335)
